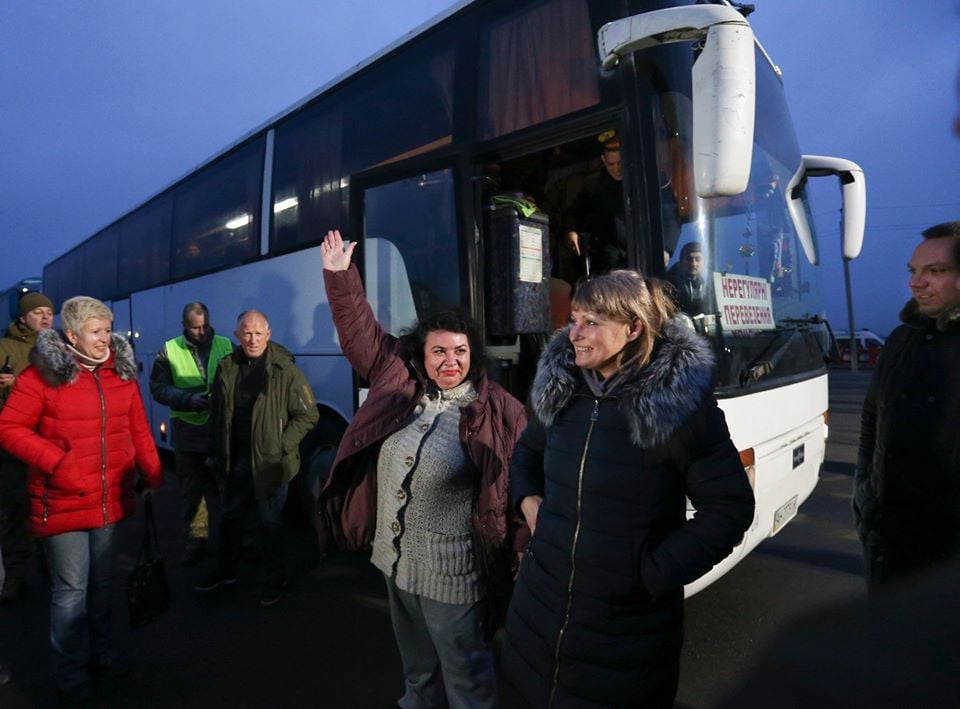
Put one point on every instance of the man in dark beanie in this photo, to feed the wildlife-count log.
(36, 314)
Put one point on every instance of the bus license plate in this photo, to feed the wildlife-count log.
(783, 515)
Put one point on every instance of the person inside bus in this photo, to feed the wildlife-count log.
(421, 473)
(690, 289)
(77, 419)
(180, 378)
(36, 315)
(599, 213)
(626, 429)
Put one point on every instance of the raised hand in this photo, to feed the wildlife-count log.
(334, 256)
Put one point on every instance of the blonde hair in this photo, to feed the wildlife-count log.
(627, 297)
(76, 311)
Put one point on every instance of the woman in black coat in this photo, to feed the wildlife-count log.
(627, 429)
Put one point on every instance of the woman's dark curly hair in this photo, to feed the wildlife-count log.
(448, 321)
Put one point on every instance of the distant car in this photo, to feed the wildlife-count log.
(869, 345)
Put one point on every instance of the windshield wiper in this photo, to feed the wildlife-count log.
(762, 365)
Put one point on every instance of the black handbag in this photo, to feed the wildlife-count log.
(147, 593)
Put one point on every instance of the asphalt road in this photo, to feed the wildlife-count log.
(328, 643)
(814, 561)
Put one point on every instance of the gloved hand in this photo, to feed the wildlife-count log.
(199, 402)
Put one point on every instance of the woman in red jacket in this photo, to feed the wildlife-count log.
(77, 419)
(421, 473)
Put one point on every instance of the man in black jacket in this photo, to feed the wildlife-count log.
(906, 496)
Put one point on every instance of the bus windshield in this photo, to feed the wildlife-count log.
(739, 271)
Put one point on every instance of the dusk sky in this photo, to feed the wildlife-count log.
(105, 103)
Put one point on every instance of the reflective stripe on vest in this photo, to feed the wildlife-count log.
(186, 374)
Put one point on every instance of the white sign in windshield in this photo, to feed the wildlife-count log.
(744, 302)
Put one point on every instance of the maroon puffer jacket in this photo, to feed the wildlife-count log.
(489, 426)
(84, 435)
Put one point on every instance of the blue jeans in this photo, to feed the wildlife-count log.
(82, 569)
(238, 499)
(447, 661)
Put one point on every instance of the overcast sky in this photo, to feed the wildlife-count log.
(106, 102)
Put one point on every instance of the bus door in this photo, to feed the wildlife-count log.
(549, 218)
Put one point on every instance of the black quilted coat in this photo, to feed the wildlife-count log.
(596, 617)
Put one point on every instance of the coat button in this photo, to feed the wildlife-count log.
(356, 444)
(408, 461)
(401, 495)
(395, 527)
(424, 426)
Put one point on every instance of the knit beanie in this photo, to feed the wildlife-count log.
(32, 301)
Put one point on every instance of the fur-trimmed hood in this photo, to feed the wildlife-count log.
(655, 401)
(58, 366)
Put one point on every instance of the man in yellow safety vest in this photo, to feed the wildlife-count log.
(181, 379)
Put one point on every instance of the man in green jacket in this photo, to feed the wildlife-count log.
(181, 378)
(261, 408)
(36, 314)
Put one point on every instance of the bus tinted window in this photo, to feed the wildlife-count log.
(145, 247)
(99, 270)
(414, 262)
(306, 177)
(217, 212)
(404, 109)
(537, 64)
(62, 278)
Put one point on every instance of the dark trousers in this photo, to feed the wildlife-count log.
(200, 494)
(447, 661)
(14, 540)
(238, 499)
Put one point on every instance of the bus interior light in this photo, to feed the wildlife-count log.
(285, 204)
(238, 222)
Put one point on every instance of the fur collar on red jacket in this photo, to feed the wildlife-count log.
(58, 366)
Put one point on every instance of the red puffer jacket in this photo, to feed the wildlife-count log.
(84, 435)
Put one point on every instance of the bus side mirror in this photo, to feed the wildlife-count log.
(853, 188)
(724, 84)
